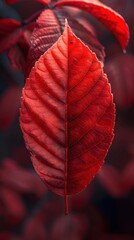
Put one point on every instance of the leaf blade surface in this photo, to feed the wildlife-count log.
(67, 115)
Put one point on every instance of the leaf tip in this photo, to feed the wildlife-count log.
(66, 22)
(67, 27)
(125, 39)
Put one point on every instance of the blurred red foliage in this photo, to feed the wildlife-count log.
(105, 209)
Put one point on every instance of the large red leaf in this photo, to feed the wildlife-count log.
(49, 27)
(111, 19)
(67, 115)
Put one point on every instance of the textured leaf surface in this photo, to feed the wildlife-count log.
(111, 19)
(67, 115)
(45, 34)
(50, 25)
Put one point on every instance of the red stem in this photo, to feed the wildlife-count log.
(66, 204)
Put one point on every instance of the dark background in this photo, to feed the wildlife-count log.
(105, 209)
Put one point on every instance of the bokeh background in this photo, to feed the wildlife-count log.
(105, 209)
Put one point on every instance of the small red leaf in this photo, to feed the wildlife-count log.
(12, 32)
(7, 26)
(45, 34)
(111, 181)
(13, 205)
(116, 183)
(8, 38)
(67, 115)
(111, 19)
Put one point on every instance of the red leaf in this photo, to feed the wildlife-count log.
(111, 19)
(67, 115)
(9, 104)
(17, 54)
(111, 181)
(13, 205)
(117, 184)
(7, 26)
(120, 72)
(12, 32)
(10, 40)
(45, 34)
(49, 27)
(20, 179)
(15, 1)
